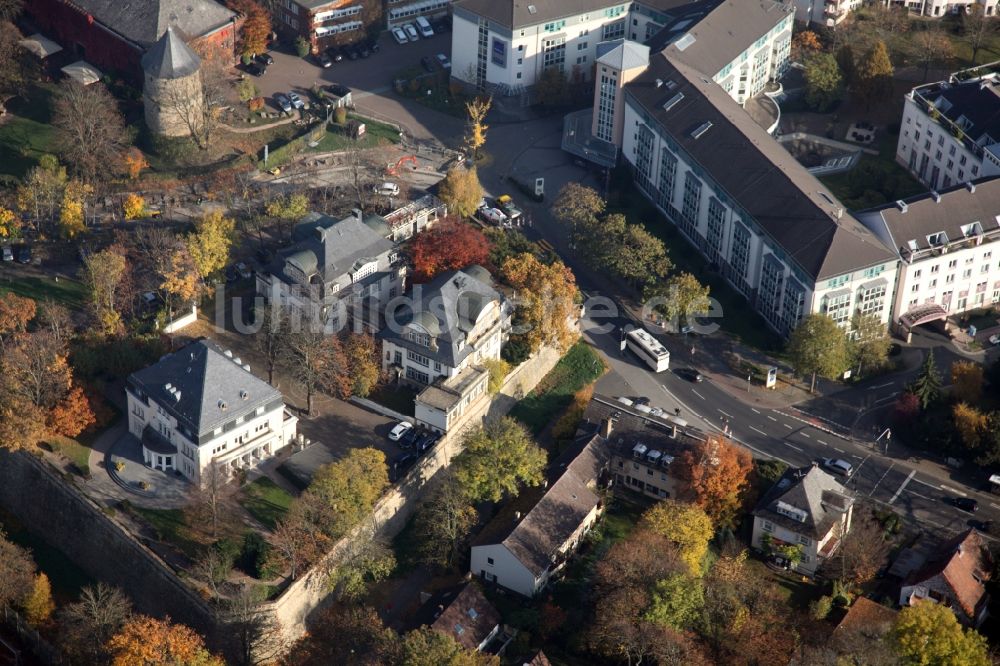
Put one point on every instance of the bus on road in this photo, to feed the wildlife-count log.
(648, 348)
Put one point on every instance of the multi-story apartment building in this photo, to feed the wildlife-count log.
(826, 13)
(200, 406)
(945, 7)
(453, 322)
(407, 221)
(950, 131)
(325, 23)
(807, 508)
(778, 236)
(949, 257)
(335, 272)
(618, 62)
(398, 12)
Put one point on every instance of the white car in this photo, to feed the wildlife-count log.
(296, 100)
(387, 189)
(443, 59)
(399, 35)
(494, 215)
(411, 32)
(8, 253)
(399, 430)
(424, 26)
(994, 339)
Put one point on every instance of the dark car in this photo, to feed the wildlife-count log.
(338, 90)
(984, 526)
(257, 68)
(442, 25)
(24, 254)
(426, 442)
(690, 374)
(428, 63)
(352, 52)
(325, 60)
(283, 103)
(641, 400)
(966, 504)
(265, 58)
(408, 438)
(400, 465)
(335, 54)
(373, 46)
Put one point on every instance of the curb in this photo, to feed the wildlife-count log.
(816, 422)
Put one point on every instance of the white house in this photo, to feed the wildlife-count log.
(807, 508)
(950, 131)
(336, 271)
(526, 544)
(945, 242)
(775, 232)
(199, 406)
(945, 7)
(825, 13)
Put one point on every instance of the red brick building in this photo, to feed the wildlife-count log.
(325, 23)
(113, 34)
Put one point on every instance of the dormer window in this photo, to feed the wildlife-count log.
(973, 229)
(939, 238)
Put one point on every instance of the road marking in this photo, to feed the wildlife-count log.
(754, 410)
(773, 419)
(995, 506)
(822, 442)
(952, 490)
(880, 386)
(806, 435)
(884, 474)
(792, 446)
(913, 492)
(724, 414)
(759, 430)
(788, 426)
(855, 455)
(698, 394)
(924, 483)
(838, 450)
(885, 399)
(903, 485)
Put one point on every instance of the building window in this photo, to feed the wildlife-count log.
(614, 30)
(804, 540)
(417, 376)
(489, 560)
(716, 226)
(691, 203)
(554, 52)
(417, 358)
(767, 526)
(555, 26)
(739, 252)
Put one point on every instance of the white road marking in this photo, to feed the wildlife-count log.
(995, 506)
(929, 485)
(855, 455)
(952, 490)
(913, 492)
(806, 435)
(758, 430)
(773, 419)
(885, 399)
(822, 442)
(698, 394)
(792, 446)
(788, 426)
(838, 450)
(724, 414)
(902, 485)
(754, 410)
(880, 386)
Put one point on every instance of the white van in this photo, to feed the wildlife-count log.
(424, 26)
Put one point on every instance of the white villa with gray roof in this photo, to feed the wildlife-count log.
(200, 405)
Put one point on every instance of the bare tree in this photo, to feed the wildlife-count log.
(270, 339)
(863, 551)
(89, 129)
(211, 570)
(316, 359)
(87, 625)
(255, 632)
(57, 319)
(211, 499)
(978, 28)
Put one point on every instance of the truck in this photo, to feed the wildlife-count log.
(506, 204)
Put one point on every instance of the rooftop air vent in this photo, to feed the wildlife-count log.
(246, 366)
(237, 361)
(935, 196)
(177, 395)
(969, 185)
(701, 129)
(901, 205)
(244, 395)
(685, 41)
(169, 386)
(532, 9)
(228, 353)
(672, 102)
(223, 406)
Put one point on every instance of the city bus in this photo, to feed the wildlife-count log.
(648, 348)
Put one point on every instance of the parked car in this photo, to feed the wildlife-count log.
(995, 339)
(399, 430)
(257, 68)
(506, 204)
(399, 35)
(443, 24)
(387, 189)
(325, 60)
(24, 254)
(690, 374)
(335, 54)
(966, 504)
(492, 215)
(149, 299)
(243, 270)
(265, 59)
(838, 466)
(283, 102)
(373, 45)
(400, 465)
(296, 101)
(426, 442)
(408, 438)
(8, 253)
(351, 52)
(427, 63)
(443, 59)
(411, 32)
(984, 526)
(362, 48)
(424, 26)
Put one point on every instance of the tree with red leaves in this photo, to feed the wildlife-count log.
(72, 415)
(717, 475)
(451, 244)
(256, 28)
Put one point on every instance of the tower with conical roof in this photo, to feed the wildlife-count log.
(172, 94)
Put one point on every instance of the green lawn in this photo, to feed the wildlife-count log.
(396, 398)
(430, 90)
(70, 293)
(875, 180)
(26, 134)
(266, 501)
(376, 134)
(171, 527)
(78, 454)
(578, 367)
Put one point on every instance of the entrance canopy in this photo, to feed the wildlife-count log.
(82, 71)
(923, 314)
(40, 45)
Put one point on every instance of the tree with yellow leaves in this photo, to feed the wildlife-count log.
(134, 162)
(928, 634)
(971, 424)
(10, 224)
(134, 206)
(966, 381)
(475, 137)
(180, 278)
(37, 604)
(686, 526)
(147, 641)
(102, 273)
(71, 219)
(545, 301)
(210, 242)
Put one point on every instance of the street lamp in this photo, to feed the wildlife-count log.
(887, 433)
(748, 382)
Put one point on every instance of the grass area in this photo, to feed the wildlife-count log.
(26, 134)
(70, 293)
(171, 526)
(66, 577)
(376, 134)
(431, 90)
(266, 501)
(875, 180)
(396, 398)
(577, 368)
(77, 453)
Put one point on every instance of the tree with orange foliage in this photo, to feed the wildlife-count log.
(134, 162)
(805, 44)
(716, 474)
(449, 245)
(545, 302)
(72, 415)
(256, 28)
(15, 313)
(147, 641)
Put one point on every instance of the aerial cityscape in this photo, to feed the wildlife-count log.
(499, 332)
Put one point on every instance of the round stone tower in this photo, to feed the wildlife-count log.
(172, 94)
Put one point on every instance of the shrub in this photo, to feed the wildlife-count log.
(119, 465)
(302, 46)
(229, 549)
(820, 608)
(144, 485)
(516, 352)
(340, 115)
(256, 105)
(254, 556)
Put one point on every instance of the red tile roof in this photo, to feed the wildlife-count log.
(867, 616)
(965, 567)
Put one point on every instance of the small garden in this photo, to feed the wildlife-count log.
(70, 293)
(580, 366)
(266, 501)
(875, 180)
(432, 89)
(26, 134)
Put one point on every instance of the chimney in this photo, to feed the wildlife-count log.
(901, 205)
(357, 214)
(607, 425)
(659, 83)
(935, 196)
(969, 185)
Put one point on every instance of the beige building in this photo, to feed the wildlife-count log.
(618, 62)
(172, 93)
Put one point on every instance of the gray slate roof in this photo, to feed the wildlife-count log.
(521, 13)
(447, 308)
(207, 380)
(924, 215)
(623, 54)
(754, 170)
(170, 58)
(977, 100)
(145, 21)
(811, 490)
(331, 247)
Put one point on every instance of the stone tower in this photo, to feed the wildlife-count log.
(172, 94)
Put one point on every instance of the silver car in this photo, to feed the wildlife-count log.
(838, 466)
